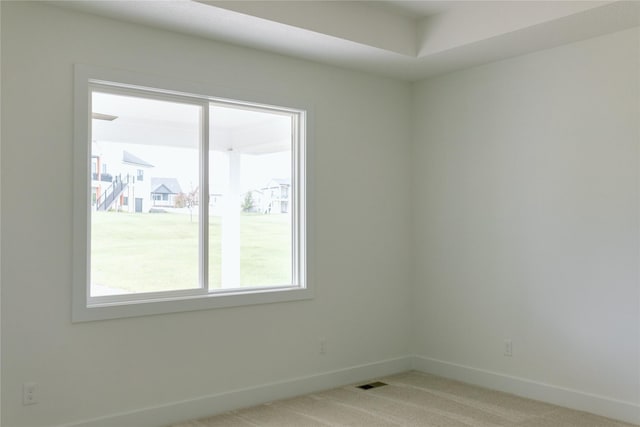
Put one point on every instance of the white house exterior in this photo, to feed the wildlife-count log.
(274, 197)
(164, 192)
(120, 180)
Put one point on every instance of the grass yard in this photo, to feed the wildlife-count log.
(137, 252)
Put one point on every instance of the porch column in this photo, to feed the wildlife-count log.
(231, 225)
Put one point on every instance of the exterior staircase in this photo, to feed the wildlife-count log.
(111, 193)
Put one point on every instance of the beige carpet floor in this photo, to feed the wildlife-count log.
(408, 399)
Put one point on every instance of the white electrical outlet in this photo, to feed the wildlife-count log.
(508, 348)
(323, 346)
(29, 396)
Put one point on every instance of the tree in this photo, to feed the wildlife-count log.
(248, 204)
(187, 200)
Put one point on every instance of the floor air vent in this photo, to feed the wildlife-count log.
(371, 385)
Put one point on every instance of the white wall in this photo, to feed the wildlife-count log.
(526, 208)
(97, 369)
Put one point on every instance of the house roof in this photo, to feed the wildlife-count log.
(165, 186)
(127, 157)
(276, 182)
(282, 181)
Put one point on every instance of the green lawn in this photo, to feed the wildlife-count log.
(159, 251)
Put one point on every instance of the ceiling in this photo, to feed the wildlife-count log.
(408, 40)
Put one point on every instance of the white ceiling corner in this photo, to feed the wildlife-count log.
(409, 40)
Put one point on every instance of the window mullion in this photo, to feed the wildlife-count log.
(204, 198)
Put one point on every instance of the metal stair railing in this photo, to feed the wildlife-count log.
(111, 193)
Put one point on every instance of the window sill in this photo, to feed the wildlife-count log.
(115, 310)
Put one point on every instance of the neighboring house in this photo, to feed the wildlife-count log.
(274, 197)
(119, 181)
(164, 191)
(100, 179)
(136, 195)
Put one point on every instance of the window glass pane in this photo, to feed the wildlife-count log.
(250, 212)
(144, 209)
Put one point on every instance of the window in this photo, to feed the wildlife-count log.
(191, 250)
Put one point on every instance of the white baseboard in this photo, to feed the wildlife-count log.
(574, 399)
(174, 412)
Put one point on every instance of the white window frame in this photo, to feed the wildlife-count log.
(87, 308)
